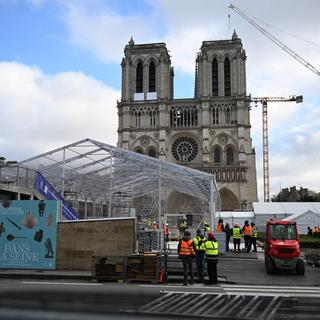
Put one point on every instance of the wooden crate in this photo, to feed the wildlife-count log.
(142, 268)
(108, 268)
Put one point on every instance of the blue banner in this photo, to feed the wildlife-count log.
(28, 234)
(50, 193)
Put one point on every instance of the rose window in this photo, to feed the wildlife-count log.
(184, 149)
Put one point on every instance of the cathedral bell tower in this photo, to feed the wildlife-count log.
(210, 132)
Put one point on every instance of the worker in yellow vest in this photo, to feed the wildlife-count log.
(254, 236)
(206, 229)
(211, 246)
(200, 253)
(236, 235)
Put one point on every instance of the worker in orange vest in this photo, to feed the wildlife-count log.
(247, 233)
(187, 251)
(220, 226)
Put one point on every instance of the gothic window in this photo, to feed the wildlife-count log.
(138, 150)
(215, 116)
(227, 78)
(152, 115)
(138, 119)
(152, 77)
(184, 116)
(215, 77)
(230, 156)
(184, 149)
(152, 153)
(228, 115)
(217, 155)
(139, 78)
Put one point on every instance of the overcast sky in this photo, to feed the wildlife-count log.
(60, 71)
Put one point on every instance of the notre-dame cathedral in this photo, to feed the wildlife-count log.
(210, 132)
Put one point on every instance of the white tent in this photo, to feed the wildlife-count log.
(264, 211)
(305, 220)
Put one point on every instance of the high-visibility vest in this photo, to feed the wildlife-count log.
(247, 230)
(254, 232)
(207, 227)
(219, 227)
(211, 248)
(198, 243)
(186, 248)
(183, 225)
(236, 233)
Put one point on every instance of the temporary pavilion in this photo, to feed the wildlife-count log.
(113, 182)
(305, 213)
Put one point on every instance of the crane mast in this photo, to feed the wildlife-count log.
(267, 34)
(265, 136)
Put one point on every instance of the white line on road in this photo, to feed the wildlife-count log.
(62, 283)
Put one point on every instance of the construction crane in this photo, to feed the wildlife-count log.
(245, 16)
(265, 138)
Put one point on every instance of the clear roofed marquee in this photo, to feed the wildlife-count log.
(95, 171)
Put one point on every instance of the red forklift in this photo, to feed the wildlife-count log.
(282, 249)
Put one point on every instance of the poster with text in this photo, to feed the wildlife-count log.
(28, 234)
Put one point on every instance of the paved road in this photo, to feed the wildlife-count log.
(242, 278)
(30, 299)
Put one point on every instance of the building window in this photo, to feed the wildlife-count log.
(228, 115)
(152, 77)
(217, 155)
(138, 150)
(139, 78)
(184, 116)
(230, 156)
(215, 116)
(152, 115)
(215, 77)
(184, 149)
(152, 153)
(227, 78)
(138, 119)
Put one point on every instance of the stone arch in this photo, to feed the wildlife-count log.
(178, 202)
(152, 152)
(229, 200)
(217, 154)
(151, 58)
(138, 150)
(230, 154)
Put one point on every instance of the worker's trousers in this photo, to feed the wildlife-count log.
(187, 264)
(247, 240)
(200, 256)
(212, 269)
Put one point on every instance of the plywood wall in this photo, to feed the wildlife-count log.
(79, 241)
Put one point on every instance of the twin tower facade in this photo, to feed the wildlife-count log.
(210, 132)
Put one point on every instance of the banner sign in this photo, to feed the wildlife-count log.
(28, 234)
(50, 193)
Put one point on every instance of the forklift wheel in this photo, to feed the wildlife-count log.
(269, 265)
(300, 268)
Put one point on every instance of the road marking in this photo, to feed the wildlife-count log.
(62, 283)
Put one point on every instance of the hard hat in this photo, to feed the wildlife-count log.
(210, 235)
(167, 224)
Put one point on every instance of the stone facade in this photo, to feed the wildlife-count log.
(210, 132)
